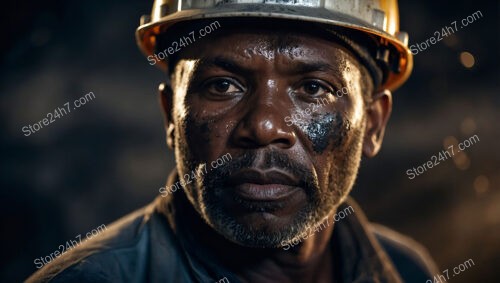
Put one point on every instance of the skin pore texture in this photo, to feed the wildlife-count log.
(231, 94)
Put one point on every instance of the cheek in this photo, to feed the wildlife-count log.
(336, 144)
(195, 138)
(327, 129)
(203, 139)
(198, 134)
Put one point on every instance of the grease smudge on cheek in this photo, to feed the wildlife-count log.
(196, 133)
(326, 129)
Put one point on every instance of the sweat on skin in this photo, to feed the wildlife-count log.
(235, 100)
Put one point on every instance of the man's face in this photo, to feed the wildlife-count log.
(248, 94)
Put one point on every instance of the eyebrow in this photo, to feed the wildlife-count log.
(224, 63)
(305, 67)
(297, 67)
(301, 67)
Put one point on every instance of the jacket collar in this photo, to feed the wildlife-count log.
(361, 256)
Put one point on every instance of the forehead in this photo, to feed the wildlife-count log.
(281, 48)
(291, 43)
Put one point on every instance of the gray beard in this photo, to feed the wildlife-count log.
(319, 204)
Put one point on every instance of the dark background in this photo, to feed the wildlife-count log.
(108, 157)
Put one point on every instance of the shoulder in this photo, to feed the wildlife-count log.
(121, 251)
(410, 258)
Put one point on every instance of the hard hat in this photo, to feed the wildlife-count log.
(379, 19)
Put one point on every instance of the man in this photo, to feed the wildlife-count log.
(256, 195)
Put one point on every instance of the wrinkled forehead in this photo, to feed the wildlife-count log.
(265, 39)
(277, 50)
(294, 45)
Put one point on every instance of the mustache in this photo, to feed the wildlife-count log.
(269, 159)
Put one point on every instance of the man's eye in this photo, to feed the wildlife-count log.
(222, 86)
(314, 88)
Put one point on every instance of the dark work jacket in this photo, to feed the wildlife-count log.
(153, 244)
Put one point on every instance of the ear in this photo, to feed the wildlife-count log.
(165, 95)
(378, 112)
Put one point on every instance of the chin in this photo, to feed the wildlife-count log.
(260, 229)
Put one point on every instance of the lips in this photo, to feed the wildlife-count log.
(270, 185)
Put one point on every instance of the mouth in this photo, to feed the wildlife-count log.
(263, 186)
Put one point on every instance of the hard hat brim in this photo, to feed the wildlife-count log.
(146, 33)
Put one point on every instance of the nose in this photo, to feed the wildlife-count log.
(263, 124)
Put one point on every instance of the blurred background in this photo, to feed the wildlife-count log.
(108, 157)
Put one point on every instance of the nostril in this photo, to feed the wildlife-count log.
(248, 142)
(283, 141)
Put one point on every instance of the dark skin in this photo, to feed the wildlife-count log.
(232, 94)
